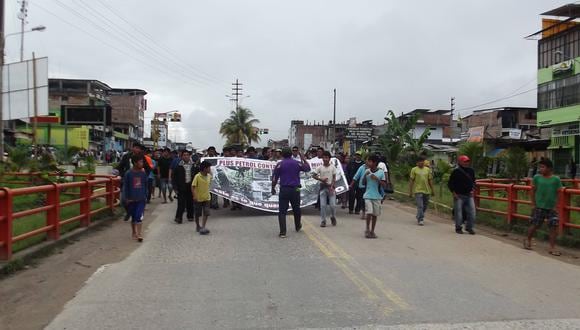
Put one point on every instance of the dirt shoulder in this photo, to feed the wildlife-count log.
(31, 298)
(569, 255)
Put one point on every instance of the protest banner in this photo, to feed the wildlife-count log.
(249, 182)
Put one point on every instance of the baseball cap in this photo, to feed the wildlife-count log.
(463, 158)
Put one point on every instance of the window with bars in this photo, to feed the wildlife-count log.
(558, 48)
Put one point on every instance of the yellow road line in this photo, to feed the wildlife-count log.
(388, 293)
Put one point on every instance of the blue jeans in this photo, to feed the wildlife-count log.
(325, 197)
(464, 205)
(422, 201)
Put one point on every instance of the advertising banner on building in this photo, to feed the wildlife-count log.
(249, 182)
(476, 134)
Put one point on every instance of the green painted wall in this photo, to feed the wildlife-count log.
(77, 137)
(559, 116)
(545, 75)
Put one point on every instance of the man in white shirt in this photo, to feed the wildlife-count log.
(326, 174)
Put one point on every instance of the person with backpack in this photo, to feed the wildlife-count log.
(462, 185)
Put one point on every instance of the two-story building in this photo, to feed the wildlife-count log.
(438, 122)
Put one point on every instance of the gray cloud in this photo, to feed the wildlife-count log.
(380, 55)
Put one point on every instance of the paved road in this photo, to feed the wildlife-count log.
(244, 276)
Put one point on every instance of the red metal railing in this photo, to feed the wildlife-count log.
(489, 189)
(91, 188)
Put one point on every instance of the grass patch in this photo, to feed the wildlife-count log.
(570, 238)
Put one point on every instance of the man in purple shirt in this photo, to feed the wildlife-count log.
(288, 172)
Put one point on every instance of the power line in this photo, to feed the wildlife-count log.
(153, 45)
(496, 100)
(164, 71)
(131, 43)
(150, 38)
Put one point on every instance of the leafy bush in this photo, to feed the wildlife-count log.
(474, 151)
(516, 163)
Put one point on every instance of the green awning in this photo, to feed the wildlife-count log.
(562, 142)
(121, 136)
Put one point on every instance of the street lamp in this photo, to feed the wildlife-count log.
(3, 37)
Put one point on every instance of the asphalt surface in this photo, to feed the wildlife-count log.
(243, 276)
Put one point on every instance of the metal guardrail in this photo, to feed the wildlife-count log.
(486, 189)
(91, 187)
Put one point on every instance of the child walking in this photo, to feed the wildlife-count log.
(545, 188)
(201, 196)
(135, 195)
(374, 178)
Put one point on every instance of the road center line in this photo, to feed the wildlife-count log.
(334, 249)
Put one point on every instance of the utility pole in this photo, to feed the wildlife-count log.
(453, 124)
(22, 17)
(452, 106)
(1, 79)
(334, 122)
(236, 93)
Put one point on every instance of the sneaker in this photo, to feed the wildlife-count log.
(459, 231)
(282, 235)
(471, 232)
(421, 223)
(127, 217)
(298, 228)
(197, 228)
(333, 221)
(204, 231)
(171, 199)
(323, 224)
(179, 221)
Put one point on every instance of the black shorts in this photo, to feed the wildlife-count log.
(539, 215)
(202, 209)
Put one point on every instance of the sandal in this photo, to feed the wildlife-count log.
(139, 239)
(527, 244)
(555, 253)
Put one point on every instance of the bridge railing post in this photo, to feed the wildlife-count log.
(85, 205)
(6, 208)
(53, 215)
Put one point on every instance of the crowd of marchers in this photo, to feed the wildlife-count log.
(181, 175)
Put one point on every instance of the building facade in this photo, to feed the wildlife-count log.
(559, 83)
(129, 106)
(438, 122)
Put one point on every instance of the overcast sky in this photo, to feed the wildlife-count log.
(289, 55)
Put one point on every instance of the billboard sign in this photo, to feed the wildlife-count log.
(85, 115)
(19, 87)
(359, 133)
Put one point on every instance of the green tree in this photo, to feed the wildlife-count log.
(240, 128)
(443, 173)
(474, 151)
(516, 163)
(398, 137)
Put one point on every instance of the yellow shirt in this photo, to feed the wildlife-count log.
(421, 177)
(200, 186)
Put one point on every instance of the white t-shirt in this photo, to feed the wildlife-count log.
(326, 172)
(383, 167)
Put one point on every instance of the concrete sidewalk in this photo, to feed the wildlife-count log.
(243, 276)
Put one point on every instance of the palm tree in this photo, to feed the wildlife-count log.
(240, 127)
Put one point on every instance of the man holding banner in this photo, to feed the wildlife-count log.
(288, 172)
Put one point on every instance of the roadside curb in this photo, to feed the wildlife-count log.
(21, 259)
